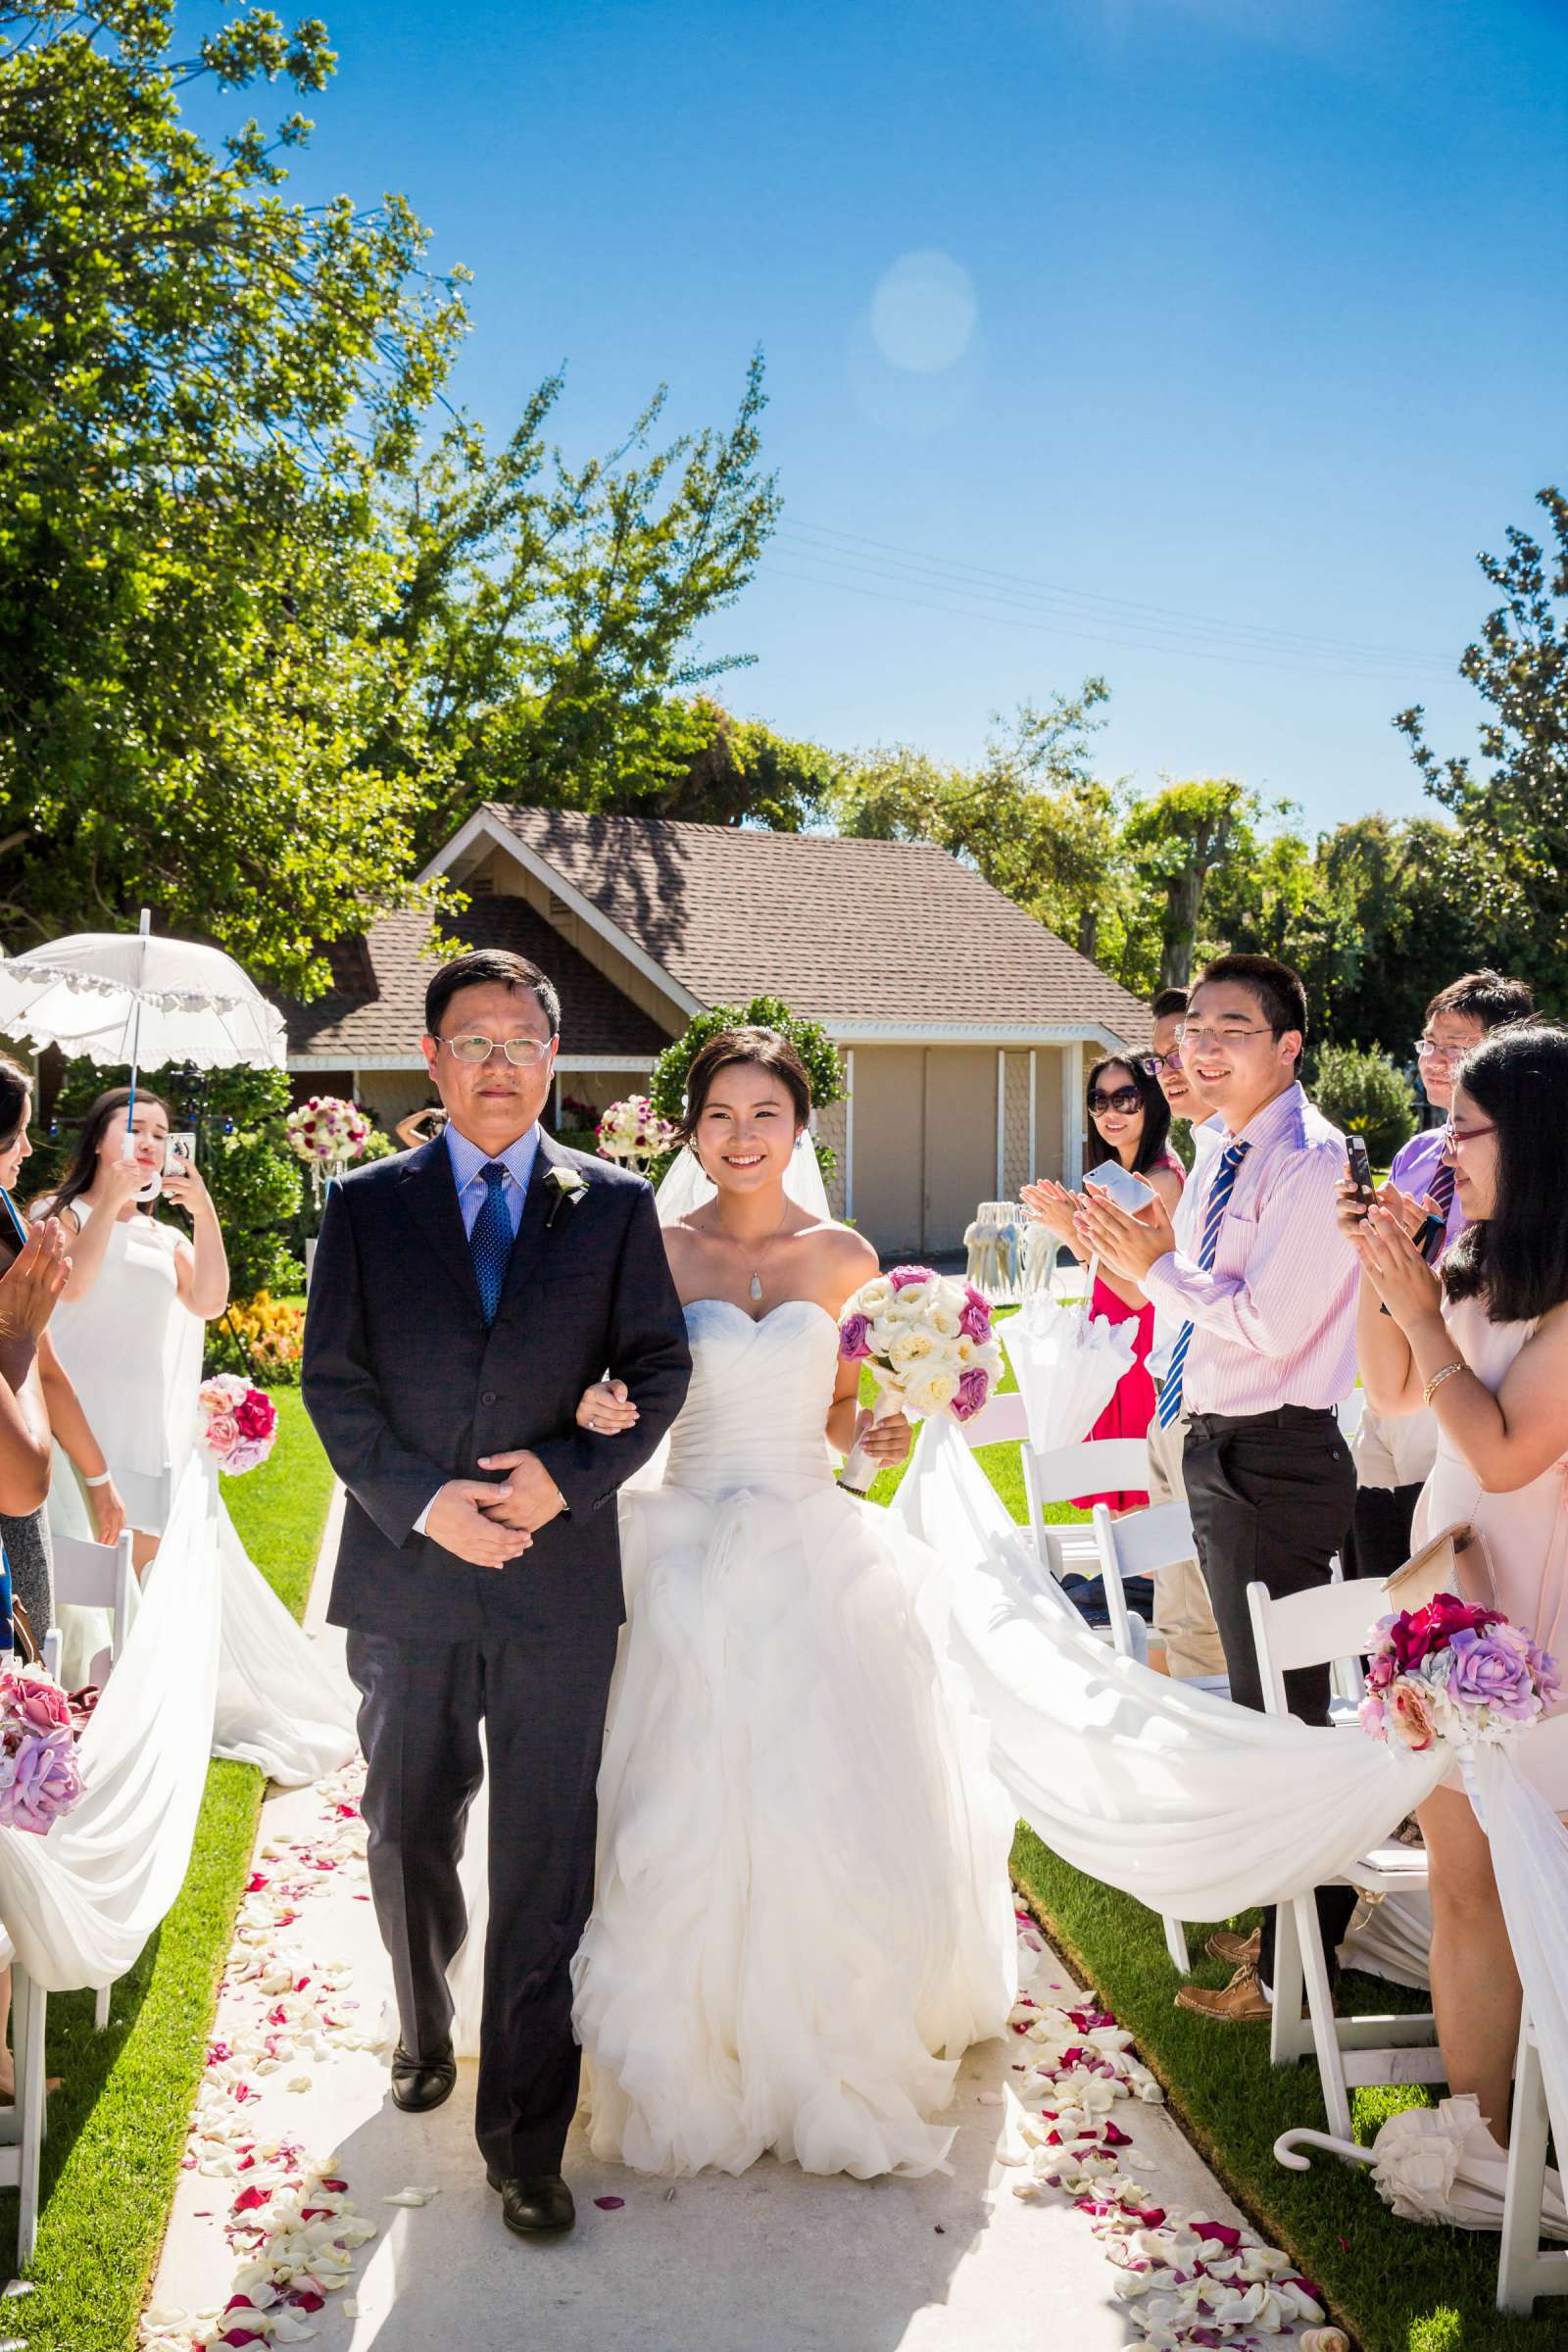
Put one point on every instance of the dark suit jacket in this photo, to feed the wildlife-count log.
(406, 1387)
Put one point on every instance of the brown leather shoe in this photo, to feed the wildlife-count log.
(1237, 1951)
(536, 2207)
(1240, 2002)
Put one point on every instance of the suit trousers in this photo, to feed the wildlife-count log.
(1271, 1496)
(1183, 1612)
(542, 1700)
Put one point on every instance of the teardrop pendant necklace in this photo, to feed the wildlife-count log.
(754, 1286)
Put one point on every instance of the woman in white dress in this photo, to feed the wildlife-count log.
(128, 1329)
(1483, 1342)
(803, 1916)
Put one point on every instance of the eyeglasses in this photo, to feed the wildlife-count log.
(1427, 1049)
(1126, 1100)
(524, 1053)
(1454, 1136)
(1152, 1063)
(1189, 1035)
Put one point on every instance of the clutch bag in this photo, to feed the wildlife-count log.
(1455, 1560)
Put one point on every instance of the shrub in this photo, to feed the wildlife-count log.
(1367, 1095)
(261, 1339)
(667, 1088)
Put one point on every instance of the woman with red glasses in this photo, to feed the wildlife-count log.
(1481, 1339)
(1130, 1119)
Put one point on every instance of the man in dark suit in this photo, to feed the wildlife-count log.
(462, 1298)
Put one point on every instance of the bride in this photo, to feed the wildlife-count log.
(803, 1916)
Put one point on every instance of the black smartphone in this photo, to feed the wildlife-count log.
(1360, 1166)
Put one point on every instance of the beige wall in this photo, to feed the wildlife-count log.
(1017, 1161)
(889, 1143)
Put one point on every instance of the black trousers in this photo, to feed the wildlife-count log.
(542, 1700)
(1379, 1540)
(1271, 1496)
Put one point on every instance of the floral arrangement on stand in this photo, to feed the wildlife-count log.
(1187, 2280)
(239, 1423)
(929, 1343)
(328, 1134)
(632, 1132)
(1455, 1671)
(39, 1780)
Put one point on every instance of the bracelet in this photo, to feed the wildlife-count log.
(105, 1478)
(1443, 1373)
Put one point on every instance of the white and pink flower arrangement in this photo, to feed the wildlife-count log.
(929, 1343)
(327, 1133)
(239, 1423)
(632, 1132)
(1455, 1672)
(39, 1781)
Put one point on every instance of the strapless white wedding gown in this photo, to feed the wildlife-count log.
(803, 1916)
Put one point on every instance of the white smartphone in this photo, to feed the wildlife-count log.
(1129, 1191)
(181, 1149)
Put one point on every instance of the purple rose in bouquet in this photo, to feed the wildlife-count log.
(35, 1702)
(974, 1387)
(1492, 1669)
(974, 1317)
(1380, 1670)
(900, 1275)
(47, 1783)
(854, 1339)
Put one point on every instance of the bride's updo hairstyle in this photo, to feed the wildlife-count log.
(1517, 1259)
(760, 1048)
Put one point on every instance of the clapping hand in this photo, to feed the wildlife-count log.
(607, 1409)
(32, 1283)
(1395, 1267)
(1052, 1205)
(1129, 1244)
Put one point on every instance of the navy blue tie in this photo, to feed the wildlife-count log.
(1230, 1159)
(491, 1238)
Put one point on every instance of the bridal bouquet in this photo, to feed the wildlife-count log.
(927, 1339)
(238, 1422)
(327, 1133)
(39, 1782)
(1453, 1671)
(632, 1132)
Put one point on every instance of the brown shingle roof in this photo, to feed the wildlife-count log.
(845, 930)
(376, 1006)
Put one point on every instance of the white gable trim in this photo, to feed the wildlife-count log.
(483, 827)
(959, 1033)
(416, 1061)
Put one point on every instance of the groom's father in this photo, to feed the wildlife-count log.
(464, 1296)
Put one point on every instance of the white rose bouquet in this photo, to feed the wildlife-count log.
(928, 1340)
(632, 1132)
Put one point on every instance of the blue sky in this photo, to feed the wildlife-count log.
(1198, 342)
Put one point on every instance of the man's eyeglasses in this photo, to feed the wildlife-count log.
(1232, 1034)
(1427, 1049)
(524, 1053)
(1126, 1100)
(1152, 1063)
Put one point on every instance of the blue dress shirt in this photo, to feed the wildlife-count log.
(468, 1164)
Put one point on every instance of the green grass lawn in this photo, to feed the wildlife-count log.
(117, 2129)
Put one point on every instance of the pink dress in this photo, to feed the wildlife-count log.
(1526, 1532)
(1132, 1405)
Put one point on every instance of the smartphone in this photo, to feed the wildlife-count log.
(1360, 1166)
(1129, 1191)
(179, 1151)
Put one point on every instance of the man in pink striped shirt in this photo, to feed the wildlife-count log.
(1266, 1301)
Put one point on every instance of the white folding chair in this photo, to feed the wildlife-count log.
(1142, 1543)
(1524, 2271)
(21, 2126)
(1095, 1466)
(93, 1575)
(1315, 1629)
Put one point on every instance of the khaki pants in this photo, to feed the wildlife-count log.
(1182, 1613)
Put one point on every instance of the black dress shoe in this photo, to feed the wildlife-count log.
(538, 2206)
(419, 2084)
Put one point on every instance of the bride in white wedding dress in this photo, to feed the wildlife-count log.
(803, 1916)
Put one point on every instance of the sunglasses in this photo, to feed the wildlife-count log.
(1126, 1100)
(524, 1053)
(1152, 1063)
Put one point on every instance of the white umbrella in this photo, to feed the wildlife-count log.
(124, 997)
(1066, 1363)
(1435, 2163)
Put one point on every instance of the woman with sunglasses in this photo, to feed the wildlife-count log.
(1130, 1119)
(1483, 1341)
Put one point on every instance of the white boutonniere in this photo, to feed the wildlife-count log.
(565, 1184)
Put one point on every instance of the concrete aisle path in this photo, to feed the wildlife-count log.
(774, 2261)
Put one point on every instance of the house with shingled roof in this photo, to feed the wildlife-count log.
(964, 1024)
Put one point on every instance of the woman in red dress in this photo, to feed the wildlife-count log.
(1130, 1119)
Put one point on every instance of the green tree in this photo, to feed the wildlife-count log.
(1512, 811)
(746, 774)
(550, 611)
(1390, 917)
(201, 384)
(1195, 846)
(1364, 1094)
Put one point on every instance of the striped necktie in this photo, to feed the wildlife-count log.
(491, 1238)
(1441, 1194)
(1230, 1159)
